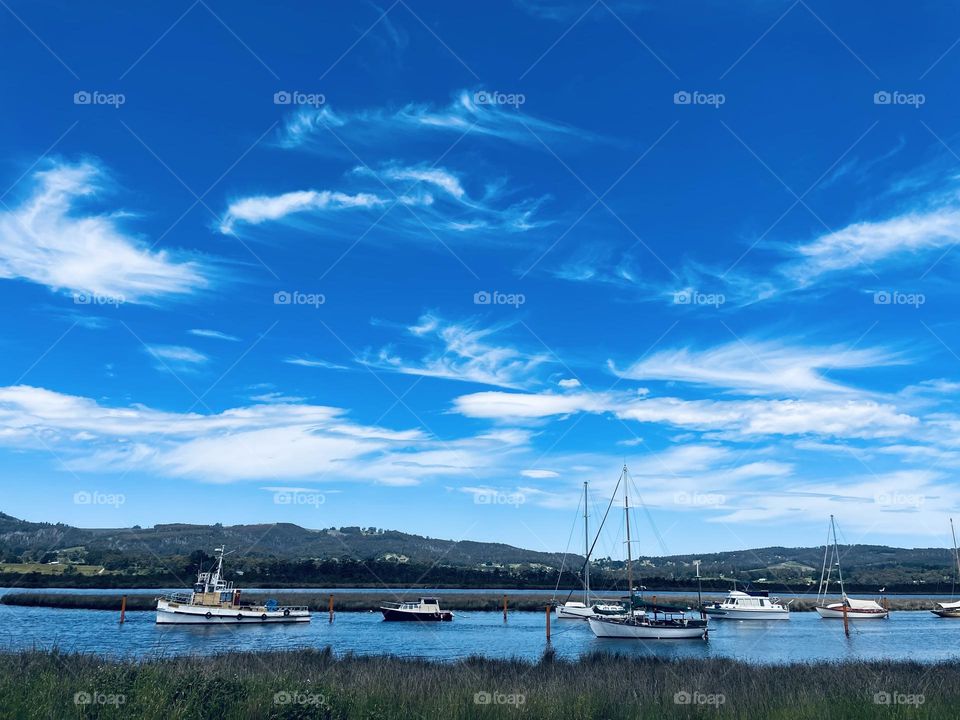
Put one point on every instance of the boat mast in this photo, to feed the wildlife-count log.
(586, 550)
(955, 555)
(836, 550)
(626, 510)
(824, 577)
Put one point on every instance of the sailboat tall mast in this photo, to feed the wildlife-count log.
(626, 510)
(836, 551)
(586, 550)
(955, 555)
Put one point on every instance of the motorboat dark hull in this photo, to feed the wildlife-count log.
(415, 615)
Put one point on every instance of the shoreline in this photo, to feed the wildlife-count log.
(316, 683)
(368, 602)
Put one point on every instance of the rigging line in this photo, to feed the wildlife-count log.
(649, 516)
(596, 537)
(563, 562)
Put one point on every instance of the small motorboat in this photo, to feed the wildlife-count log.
(751, 605)
(425, 609)
(213, 601)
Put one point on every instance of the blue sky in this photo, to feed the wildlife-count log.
(430, 267)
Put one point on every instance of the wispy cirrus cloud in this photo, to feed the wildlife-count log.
(213, 334)
(49, 240)
(758, 367)
(461, 351)
(312, 128)
(442, 202)
(177, 357)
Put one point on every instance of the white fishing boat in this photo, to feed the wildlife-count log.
(752, 605)
(950, 609)
(643, 621)
(213, 601)
(424, 609)
(847, 608)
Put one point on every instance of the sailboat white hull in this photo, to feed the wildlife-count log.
(835, 611)
(574, 611)
(612, 629)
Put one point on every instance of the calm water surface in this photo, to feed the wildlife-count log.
(906, 635)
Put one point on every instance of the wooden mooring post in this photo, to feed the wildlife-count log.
(548, 623)
(846, 623)
(331, 607)
(123, 609)
(504, 608)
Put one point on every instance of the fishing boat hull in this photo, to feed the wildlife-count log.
(656, 630)
(743, 614)
(948, 613)
(835, 612)
(415, 615)
(169, 613)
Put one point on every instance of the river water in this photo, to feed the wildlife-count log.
(804, 637)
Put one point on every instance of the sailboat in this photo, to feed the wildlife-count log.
(575, 609)
(950, 609)
(645, 621)
(848, 607)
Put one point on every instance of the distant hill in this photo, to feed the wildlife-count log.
(120, 548)
(281, 540)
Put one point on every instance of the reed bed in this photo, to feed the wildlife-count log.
(365, 602)
(316, 684)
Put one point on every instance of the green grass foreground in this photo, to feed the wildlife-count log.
(316, 684)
